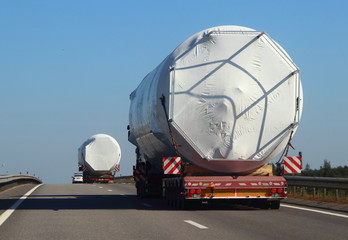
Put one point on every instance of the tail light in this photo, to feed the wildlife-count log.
(280, 190)
(273, 190)
(194, 193)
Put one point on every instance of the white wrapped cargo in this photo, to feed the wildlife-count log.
(99, 154)
(233, 98)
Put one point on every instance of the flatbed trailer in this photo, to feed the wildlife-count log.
(259, 191)
(183, 190)
(91, 178)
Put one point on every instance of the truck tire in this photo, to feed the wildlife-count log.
(262, 204)
(275, 204)
(140, 189)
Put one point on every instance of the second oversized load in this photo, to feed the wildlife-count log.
(98, 157)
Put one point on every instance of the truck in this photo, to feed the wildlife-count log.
(207, 121)
(98, 158)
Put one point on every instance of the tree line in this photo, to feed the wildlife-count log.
(326, 171)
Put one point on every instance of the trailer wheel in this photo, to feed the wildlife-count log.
(275, 204)
(169, 194)
(263, 204)
(182, 202)
(176, 201)
(138, 191)
(141, 189)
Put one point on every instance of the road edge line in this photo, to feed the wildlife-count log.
(5, 215)
(314, 210)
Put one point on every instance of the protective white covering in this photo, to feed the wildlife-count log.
(99, 154)
(233, 97)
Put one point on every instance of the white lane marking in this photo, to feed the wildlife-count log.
(146, 204)
(313, 210)
(195, 224)
(8, 212)
(100, 187)
(109, 190)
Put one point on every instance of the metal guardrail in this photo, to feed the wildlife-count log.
(319, 182)
(8, 181)
(124, 179)
(318, 186)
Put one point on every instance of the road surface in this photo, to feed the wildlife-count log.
(112, 211)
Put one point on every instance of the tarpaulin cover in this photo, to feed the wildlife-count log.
(100, 153)
(233, 97)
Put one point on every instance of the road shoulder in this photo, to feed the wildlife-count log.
(317, 204)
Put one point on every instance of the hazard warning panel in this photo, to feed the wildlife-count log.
(292, 164)
(171, 165)
(117, 168)
(139, 175)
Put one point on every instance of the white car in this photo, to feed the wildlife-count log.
(77, 178)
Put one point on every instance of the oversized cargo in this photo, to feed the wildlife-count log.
(228, 99)
(206, 120)
(98, 156)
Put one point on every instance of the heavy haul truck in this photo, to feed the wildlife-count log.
(207, 121)
(98, 157)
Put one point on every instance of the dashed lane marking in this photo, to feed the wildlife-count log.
(195, 224)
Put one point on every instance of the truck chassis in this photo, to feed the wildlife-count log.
(184, 191)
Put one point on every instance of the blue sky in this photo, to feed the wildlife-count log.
(67, 69)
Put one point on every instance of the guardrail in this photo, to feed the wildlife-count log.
(124, 179)
(318, 187)
(8, 181)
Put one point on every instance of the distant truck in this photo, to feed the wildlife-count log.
(208, 119)
(77, 178)
(98, 157)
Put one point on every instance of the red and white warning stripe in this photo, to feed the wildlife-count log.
(292, 164)
(117, 168)
(139, 175)
(171, 165)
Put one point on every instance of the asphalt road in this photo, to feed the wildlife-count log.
(112, 211)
